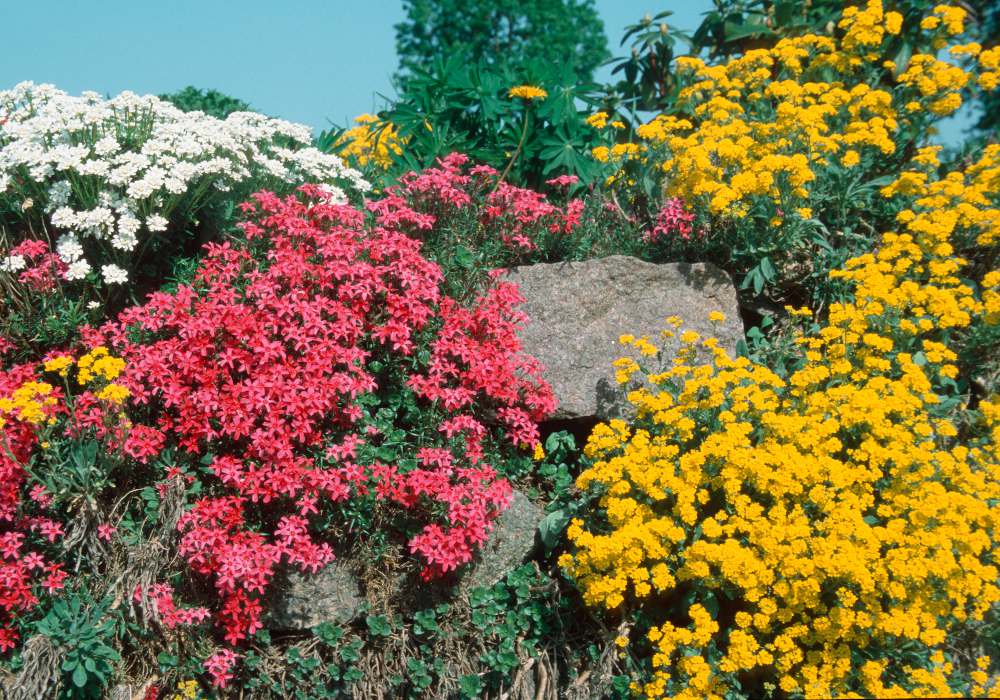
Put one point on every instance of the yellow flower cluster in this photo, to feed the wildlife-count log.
(186, 690)
(835, 514)
(598, 120)
(98, 364)
(371, 142)
(527, 92)
(60, 365)
(31, 402)
(761, 126)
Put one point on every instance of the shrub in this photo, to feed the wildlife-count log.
(318, 370)
(529, 133)
(51, 468)
(211, 102)
(781, 151)
(834, 532)
(121, 181)
(471, 221)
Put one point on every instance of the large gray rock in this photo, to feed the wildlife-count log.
(509, 545)
(578, 310)
(331, 595)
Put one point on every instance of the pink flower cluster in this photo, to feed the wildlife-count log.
(261, 363)
(162, 595)
(514, 215)
(43, 268)
(220, 667)
(23, 570)
(673, 221)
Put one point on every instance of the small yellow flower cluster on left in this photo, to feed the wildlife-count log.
(527, 92)
(30, 403)
(371, 142)
(186, 690)
(60, 365)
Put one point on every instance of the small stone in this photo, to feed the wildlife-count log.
(509, 545)
(578, 311)
(330, 595)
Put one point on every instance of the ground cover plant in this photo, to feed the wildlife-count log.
(230, 365)
(119, 188)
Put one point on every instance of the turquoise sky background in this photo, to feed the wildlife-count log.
(310, 62)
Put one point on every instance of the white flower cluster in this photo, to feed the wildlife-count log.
(114, 170)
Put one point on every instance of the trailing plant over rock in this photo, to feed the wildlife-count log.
(316, 368)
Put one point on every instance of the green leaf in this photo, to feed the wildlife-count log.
(166, 660)
(379, 625)
(767, 269)
(551, 528)
(470, 686)
(79, 677)
(746, 29)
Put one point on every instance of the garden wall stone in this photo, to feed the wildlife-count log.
(578, 310)
(334, 594)
(509, 545)
(331, 595)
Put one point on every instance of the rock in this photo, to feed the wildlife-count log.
(331, 595)
(509, 545)
(578, 310)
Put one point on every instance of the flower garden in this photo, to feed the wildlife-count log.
(233, 353)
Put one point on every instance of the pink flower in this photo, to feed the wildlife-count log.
(563, 181)
(105, 532)
(673, 220)
(39, 496)
(262, 363)
(219, 666)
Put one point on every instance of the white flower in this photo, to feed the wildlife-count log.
(333, 195)
(124, 240)
(134, 153)
(59, 195)
(64, 217)
(77, 270)
(106, 146)
(12, 263)
(27, 204)
(68, 248)
(156, 223)
(93, 305)
(113, 274)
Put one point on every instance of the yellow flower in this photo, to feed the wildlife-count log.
(598, 120)
(787, 496)
(60, 365)
(371, 142)
(716, 316)
(527, 92)
(113, 393)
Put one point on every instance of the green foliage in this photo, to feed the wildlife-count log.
(211, 102)
(452, 105)
(648, 81)
(502, 33)
(736, 26)
(83, 631)
(34, 321)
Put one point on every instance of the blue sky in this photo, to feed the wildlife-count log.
(307, 61)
